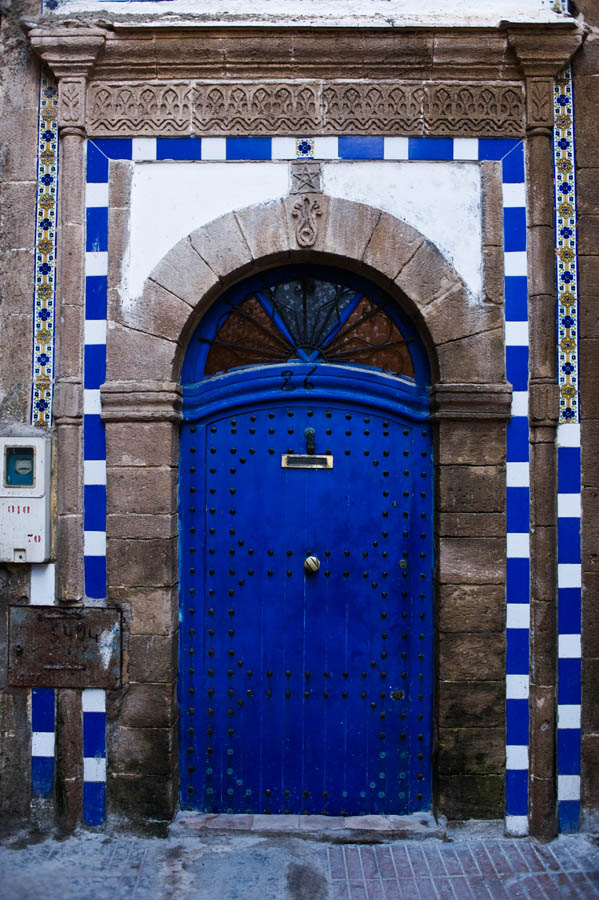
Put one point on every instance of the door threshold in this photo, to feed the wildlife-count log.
(336, 829)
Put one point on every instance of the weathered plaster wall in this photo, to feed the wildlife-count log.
(170, 200)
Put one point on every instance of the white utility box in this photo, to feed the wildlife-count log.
(24, 499)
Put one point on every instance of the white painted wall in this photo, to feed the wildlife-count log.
(325, 12)
(170, 200)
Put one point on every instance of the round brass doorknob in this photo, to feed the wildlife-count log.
(311, 565)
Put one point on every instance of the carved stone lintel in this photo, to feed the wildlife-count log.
(539, 103)
(149, 401)
(305, 178)
(306, 211)
(309, 107)
(471, 401)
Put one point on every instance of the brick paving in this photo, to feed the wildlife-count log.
(187, 865)
(465, 870)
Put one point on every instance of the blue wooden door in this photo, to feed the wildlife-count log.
(305, 693)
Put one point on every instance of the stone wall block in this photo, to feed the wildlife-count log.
(587, 183)
(149, 706)
(428, 277)
(542, 727)
(151, 563)
(589, 786)
(472, 796)
(475, 443)
(349, 227)
(69, 756)
(588, 277)
(392, 244)
(139, 489)
(588, 229)
(471, 704)
(479, 355)
(222, 247)
(70, 469)
(69, 342)
(15, 285)
(492, 204)
(184, 273)
(471, 488)
(264, 228)
(142, 444)
(141, 751)
(157, 312)
(543, 359)
(149, 611)
(131, 353)
(144, 526)
(539, 198)
(69, 568)
(466, 524)
(70, 283)
(544, 499)
(15, 755)
(140, 798)
(544, 574)
(542, 807)
(472, 561)
(153, 657)
(471, 608)
(120, 178)
(451, 318)
(15, 197)
(493, 277)
(541, 271)
(472, 751)
(471, 657)
(590, 708)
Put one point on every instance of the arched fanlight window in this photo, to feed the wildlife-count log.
(305, 314)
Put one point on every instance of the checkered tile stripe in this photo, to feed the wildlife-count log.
(511, 153)
(43, 733)
(93, 703)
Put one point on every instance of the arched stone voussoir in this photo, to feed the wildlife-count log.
(193, 273)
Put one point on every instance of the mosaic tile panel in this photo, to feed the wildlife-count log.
(45, 255)
(568, 461)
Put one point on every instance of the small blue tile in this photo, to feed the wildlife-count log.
(94, 507)
(94, 437)
(42, 776)
(96, 228)
(569, 610)
(518, 580)
(42, 709)
(249, 148)
(568, 470)
(516, 792)
(189, 148)
(569, 685)
(495, 148)
(514, 229)
(568, 541)
(516, 366)
(94, 356)
(96, 292)
(97, 164)
(518, 509)
(94, 802)
(516, 721)
(430, 148)
(95, 576)
(568, 751)
(518, 448)
(513, 166)
(94, 734)
(516, 298)
(361, 148)
(115, 148)
(568, 814)
(517, 651)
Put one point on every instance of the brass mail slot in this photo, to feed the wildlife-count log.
(306, 461)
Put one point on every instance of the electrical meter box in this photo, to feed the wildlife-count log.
(24, 499)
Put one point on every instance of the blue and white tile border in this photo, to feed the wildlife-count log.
(93, 702)
(569, 558)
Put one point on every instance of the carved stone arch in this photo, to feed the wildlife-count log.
(463, 336)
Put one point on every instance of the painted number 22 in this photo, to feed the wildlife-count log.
(287, 375)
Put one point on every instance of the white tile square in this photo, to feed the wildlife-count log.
(42, 584)
(568, 715)
(96, 262)
(515, 262)
(568, 435)
(514, 194)
(94, 768)
(465, 148)
(569, 506)
(214, 148)
(94, 471)
(96, 193)
(518, 545)
(520, 403)
(94, 331)
(517, 687)
(396, 148)
(568, 787)
(517, 474)
(516, 756)
(569, 575)
(92, 405)
(283, 148)
(93, 700)
(94, 543)
(516, 334)
(569, 646)
(42, 743)
(517, 826)
(326, 148)
(518, 615)
(143, 149)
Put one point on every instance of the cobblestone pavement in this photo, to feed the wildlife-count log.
(230, 866)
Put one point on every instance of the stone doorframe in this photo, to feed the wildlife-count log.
(141, 402)
(460, 83)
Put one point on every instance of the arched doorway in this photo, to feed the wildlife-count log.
(305, 502)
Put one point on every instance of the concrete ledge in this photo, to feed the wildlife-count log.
(335, 829)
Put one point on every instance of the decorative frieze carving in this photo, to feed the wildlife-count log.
(415, 108)
(539, 102)
(71, 102)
